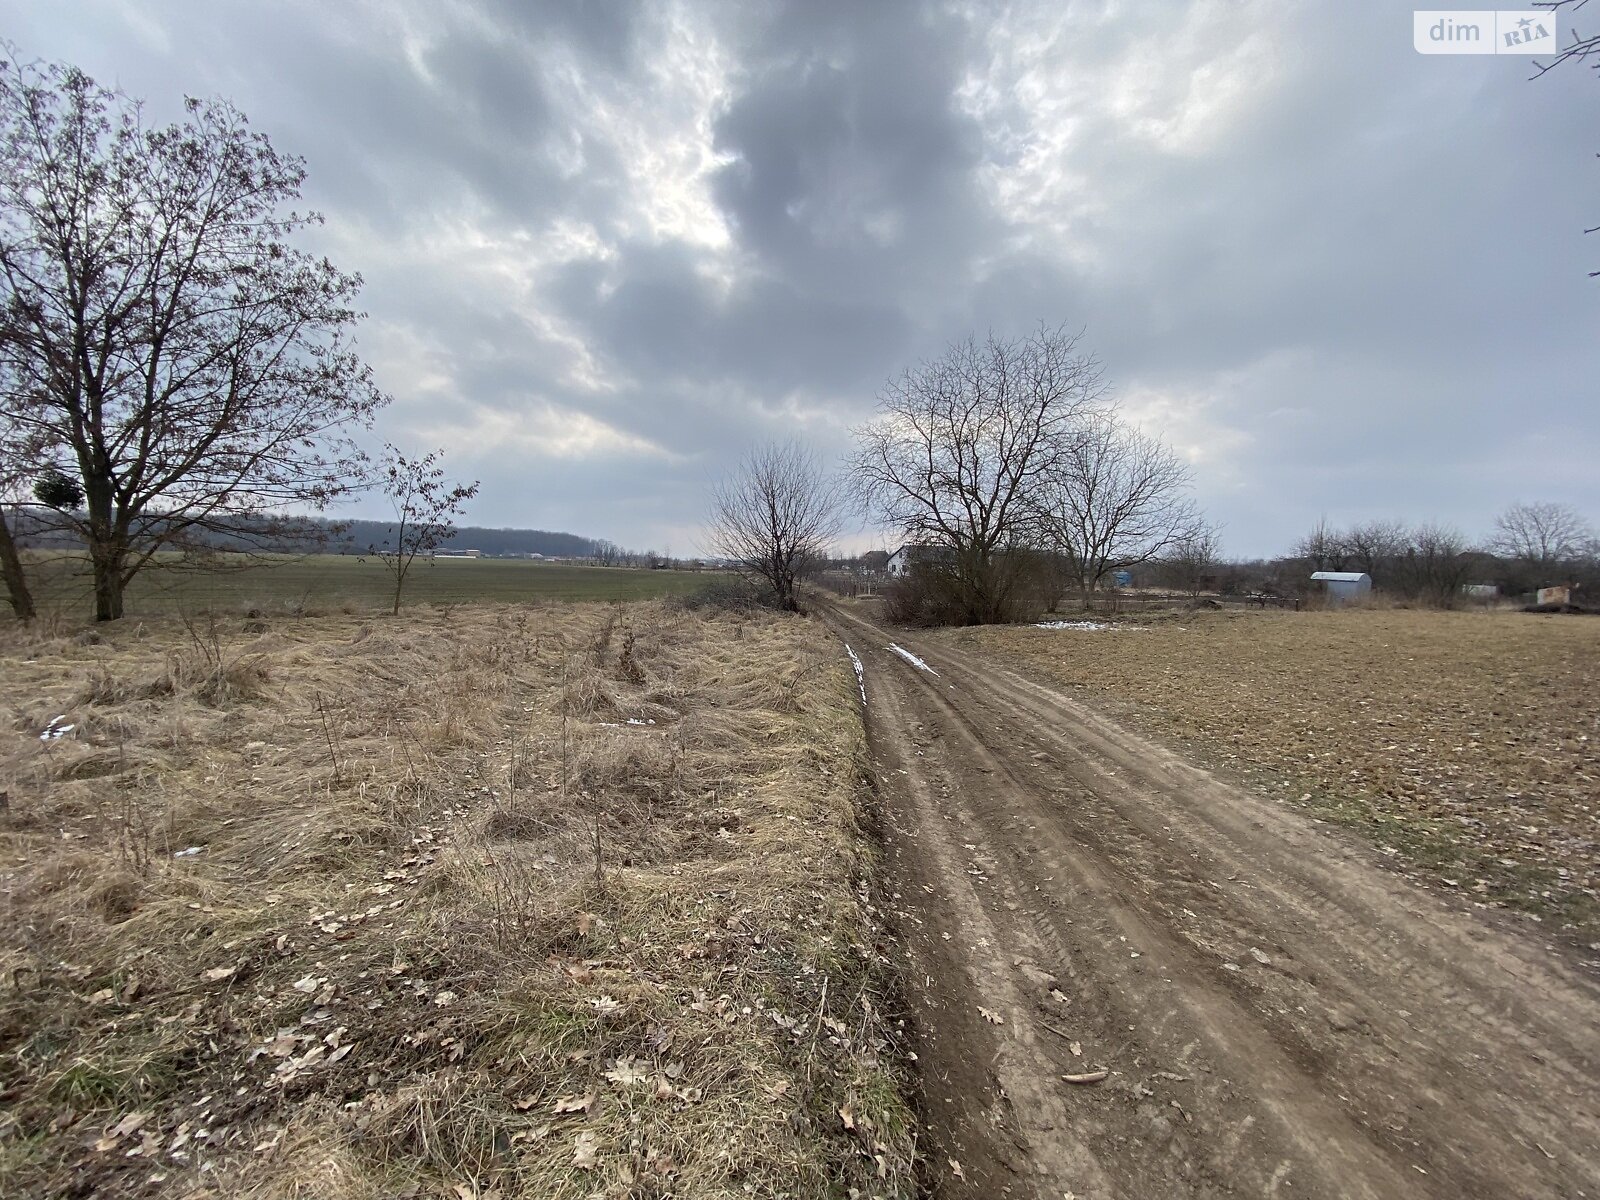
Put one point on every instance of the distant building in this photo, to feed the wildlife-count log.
(1122, 578)
(1343, 586)
(875, 562)
(905, 559)
(458, 553)
(1480, 591)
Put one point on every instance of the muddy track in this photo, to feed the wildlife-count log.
(1277, 1013)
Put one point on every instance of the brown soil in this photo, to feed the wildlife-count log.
(1277, 1012)
(1463, 744)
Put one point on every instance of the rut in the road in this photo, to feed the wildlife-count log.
(1279, 1015)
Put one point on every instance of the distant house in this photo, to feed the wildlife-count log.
(458, 553)
(875, 562)
(909, 557)
(1342, 586)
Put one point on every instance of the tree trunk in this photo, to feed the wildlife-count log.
(16, 581)
(108, 545)
(108, 585)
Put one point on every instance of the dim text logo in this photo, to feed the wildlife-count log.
(1483, 31)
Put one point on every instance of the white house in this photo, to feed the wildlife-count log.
(1344, 585)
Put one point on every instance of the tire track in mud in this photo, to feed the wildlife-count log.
(1279, 1015)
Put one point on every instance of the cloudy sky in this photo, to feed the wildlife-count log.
(608, 247)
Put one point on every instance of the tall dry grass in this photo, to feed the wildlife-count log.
(556, 901)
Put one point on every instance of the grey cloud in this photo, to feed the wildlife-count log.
(1359, 274)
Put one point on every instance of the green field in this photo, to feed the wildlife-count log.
(323, 581)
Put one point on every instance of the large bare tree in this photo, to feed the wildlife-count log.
(160, 337)
(960, 447)
(774, 517)
(1542, 536)
(1114, 498)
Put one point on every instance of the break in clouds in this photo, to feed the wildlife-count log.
(608, 247)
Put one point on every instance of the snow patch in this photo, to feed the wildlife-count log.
(861, 673)
(56, 729)
(912, 659)
(1089, 625)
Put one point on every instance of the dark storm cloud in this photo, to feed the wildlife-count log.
(609, 246)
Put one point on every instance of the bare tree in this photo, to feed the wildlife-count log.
(960, 447)
(1542, 536)
(425, 507)
(1436, 563)
(1370, 546)
(774, 517)
(1324, 548)
(160, 338)
(1194, 557)
(1114, 498)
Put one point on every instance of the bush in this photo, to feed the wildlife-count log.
(927, 598)
(725, 594)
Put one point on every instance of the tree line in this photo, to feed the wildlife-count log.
(1005, 462)
(1008, 470)
(1532, 545)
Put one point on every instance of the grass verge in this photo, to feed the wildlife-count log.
(568, 901)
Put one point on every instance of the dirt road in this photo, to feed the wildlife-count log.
(1278, 1014)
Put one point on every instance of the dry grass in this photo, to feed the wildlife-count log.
(324, 908)
(1463, 743)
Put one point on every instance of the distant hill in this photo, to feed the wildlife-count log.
(358, 536)
(352, 537)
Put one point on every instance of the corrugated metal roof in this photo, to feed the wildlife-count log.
(1339, 576)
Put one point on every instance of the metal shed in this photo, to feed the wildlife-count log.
(1343, 585)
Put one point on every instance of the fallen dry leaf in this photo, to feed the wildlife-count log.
(955, 1169)
(583, 1151)
(625, 1073)
(993, 1018)
(576, 1103)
